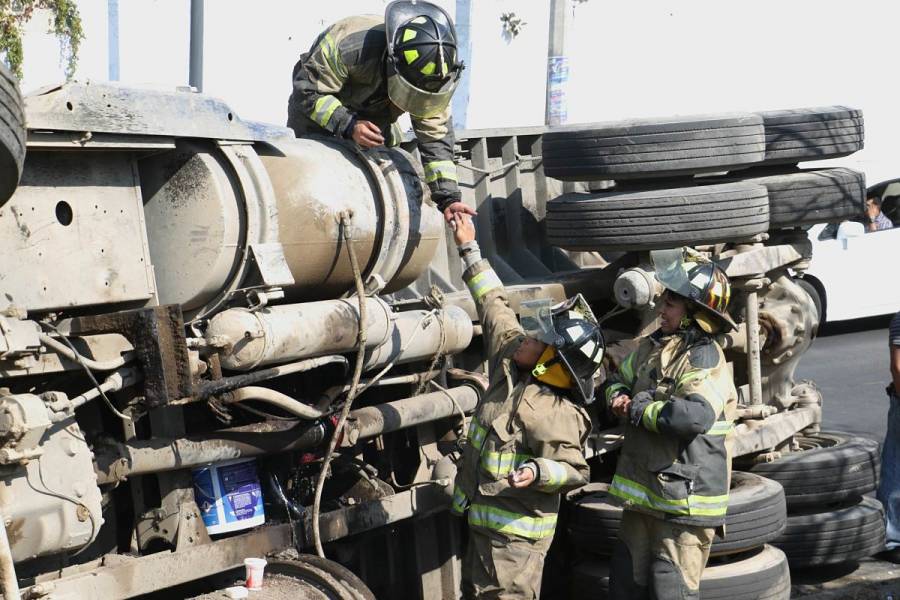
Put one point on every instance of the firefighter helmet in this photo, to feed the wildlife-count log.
(703, 284)
(423, 66)
(575, 344)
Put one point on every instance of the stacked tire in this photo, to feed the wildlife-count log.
(663, 196)
(830, 520)
(12, 134)
(742, 566)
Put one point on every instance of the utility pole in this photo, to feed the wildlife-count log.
(556, 108)
(195, 69)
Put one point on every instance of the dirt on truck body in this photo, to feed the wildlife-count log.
(181, 325)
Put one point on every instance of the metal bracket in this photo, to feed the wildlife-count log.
(160, 347)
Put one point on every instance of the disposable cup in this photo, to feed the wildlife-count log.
(255, 568)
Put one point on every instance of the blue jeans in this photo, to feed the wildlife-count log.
(889, 487)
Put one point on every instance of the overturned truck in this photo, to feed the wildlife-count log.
(189, 302)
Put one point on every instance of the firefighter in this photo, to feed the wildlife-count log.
(365, 71)
(526, 440)
(679, 399)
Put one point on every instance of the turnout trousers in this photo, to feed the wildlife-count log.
(656, 559)
(500, 567)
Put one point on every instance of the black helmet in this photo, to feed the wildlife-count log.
(423, 65)
(703, 284)
(572, 331)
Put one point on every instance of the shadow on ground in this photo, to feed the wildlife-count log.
(870, 579)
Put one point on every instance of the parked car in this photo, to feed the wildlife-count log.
(853, 272)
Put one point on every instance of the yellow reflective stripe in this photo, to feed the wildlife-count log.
(720, 428)
(691, 376)
(333, 56)
(632, 491)
(612, 389)
(324, 108)
(428, 69)
(476, 434)
(504, 521)
(499, 464)
(460, 501)
(651, 414)
(440, 169)
(627, 368)
(556, 474)
(409, 34)
(483, 283)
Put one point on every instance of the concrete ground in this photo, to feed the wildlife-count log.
(871, 579)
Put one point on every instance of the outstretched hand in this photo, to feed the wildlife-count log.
(456, 208)
(463, 228)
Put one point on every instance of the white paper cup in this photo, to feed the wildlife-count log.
(255, 568)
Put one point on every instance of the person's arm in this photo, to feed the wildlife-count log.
(694, 404)
(555, 432)
(895, 368)
(894, 341)
(318, 78)
(436, 138)
(500, 327)
(620, 383)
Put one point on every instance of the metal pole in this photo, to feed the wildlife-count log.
(112, 19)
(555, 111)
(754, 370)
(7, 568)
(195, 74)
(375, 420)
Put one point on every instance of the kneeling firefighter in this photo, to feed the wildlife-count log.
(679, 399)
(526, 439)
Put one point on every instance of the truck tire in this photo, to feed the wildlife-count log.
(655, 219)
(802, 134)
(830, 467)
(849, 532)
(756, 515)
(653, 148)
(348, 580)
(761, 574)
(811, 196)
(816, 296)
(12, 134)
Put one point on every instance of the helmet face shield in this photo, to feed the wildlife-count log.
(537, 320)
(671, 272)
(419, 103)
